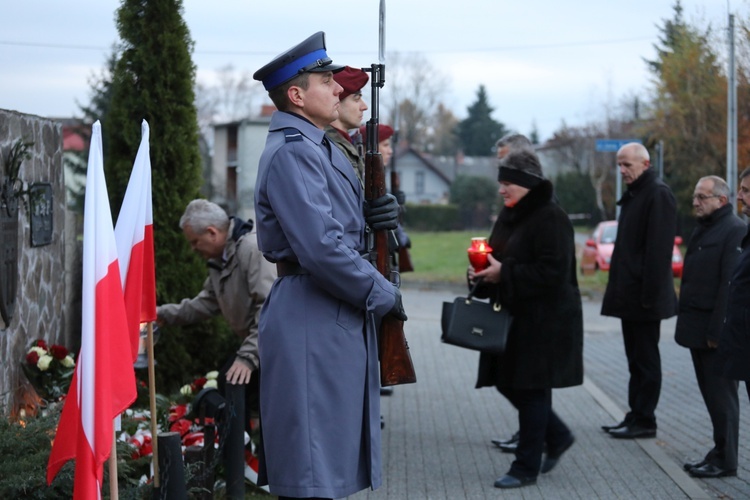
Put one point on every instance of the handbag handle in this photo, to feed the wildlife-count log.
(496, 306)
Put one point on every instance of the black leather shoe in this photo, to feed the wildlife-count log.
(632, 432)
(710, 470)
(507, 445)
(508, 481)
(607, 428)
(553, 456)
(692, 465)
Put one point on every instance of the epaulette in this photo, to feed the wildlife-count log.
(292, 134)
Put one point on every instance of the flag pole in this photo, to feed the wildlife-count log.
(113, 486)
(152, 401)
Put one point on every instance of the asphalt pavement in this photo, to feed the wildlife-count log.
(436, 442)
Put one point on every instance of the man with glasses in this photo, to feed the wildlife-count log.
(710, 259)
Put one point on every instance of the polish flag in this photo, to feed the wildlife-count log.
(103, 383)
(134, 233)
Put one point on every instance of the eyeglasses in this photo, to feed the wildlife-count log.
(704, 197)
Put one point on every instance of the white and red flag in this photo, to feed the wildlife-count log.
(134, 234)
(103, 384)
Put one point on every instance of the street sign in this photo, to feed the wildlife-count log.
(612, 145)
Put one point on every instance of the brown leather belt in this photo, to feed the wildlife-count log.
(288, 268)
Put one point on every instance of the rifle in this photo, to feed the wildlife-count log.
(404, 259)
(396, 366)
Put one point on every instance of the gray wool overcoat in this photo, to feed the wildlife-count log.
(320, 387)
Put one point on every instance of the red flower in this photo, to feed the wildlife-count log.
(198, 384)
(41, 343)
(182, 426)
(177, 412)
(32, 358)
(58, 352)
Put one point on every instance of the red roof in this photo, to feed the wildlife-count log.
(72, 140)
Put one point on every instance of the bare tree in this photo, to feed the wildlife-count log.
(417, 88)
(233, 97)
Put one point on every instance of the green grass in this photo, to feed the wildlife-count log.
(441, 258)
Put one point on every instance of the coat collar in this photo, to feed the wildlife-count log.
(536, 197)
(282, 119)
(714, 216)
(646, 178)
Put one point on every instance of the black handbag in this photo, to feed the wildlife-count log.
(473, 324)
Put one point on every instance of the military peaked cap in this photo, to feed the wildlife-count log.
(308, 56)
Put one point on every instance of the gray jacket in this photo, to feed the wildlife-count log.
(235, 288)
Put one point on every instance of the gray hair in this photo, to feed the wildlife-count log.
(200, 214)
(514, 141)
(523, 160)
(721, 188)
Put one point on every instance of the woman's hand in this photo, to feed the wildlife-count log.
(471, 275)
(492, 273)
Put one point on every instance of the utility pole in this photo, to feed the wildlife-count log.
(731, 117)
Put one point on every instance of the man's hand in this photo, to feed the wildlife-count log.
(382, 213)
(400, 197)
(239, 372)
(398, 307)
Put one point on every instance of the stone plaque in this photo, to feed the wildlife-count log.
(40, 207)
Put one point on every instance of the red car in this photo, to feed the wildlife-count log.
(597, 252)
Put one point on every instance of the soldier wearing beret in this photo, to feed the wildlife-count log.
(320, 384)
(351, 111)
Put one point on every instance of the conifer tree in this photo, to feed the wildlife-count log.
(689, 109)
(154, 79)
(479, 132)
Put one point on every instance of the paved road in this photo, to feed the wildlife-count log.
(436, 440)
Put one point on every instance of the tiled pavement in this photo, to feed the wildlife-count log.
(436, 440)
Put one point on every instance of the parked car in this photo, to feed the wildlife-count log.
(597, 252)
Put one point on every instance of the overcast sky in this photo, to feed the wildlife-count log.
(542, 61)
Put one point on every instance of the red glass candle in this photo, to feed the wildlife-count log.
(478, 253)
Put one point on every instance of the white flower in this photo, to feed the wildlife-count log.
(213, 375)
(68, 362)
(39, 350)
(186, 390)
(44, 361)
(211, 383)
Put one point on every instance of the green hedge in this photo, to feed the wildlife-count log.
(431, 217)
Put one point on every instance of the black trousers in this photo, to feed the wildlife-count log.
(722, 402)
(641, 340)
(538, 425)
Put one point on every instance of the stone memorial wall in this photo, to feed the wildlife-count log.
(37, 261)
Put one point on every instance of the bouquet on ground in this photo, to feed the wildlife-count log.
(49, 369)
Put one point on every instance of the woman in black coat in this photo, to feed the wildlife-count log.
(532, 272)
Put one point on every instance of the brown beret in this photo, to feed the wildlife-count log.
(352, 79)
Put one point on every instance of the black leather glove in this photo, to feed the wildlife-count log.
(382, 213)
(400, 197)
(398, 308)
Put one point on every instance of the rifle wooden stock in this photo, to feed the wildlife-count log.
(404, 258)
(396, 366)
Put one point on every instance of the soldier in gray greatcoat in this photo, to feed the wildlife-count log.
(320, 408)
